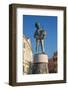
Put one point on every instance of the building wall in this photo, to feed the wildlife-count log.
(27, 55)
(52, 64)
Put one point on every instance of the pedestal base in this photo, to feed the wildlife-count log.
(40, 64)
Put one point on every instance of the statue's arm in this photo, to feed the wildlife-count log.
(35, 35)
(44, 33)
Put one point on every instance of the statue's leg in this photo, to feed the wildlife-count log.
(42, 45)
(37, 44)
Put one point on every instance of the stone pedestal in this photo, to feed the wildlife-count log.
(40, 64)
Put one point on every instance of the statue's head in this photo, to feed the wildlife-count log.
(37, 25)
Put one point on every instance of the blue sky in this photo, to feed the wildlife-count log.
(49, 24)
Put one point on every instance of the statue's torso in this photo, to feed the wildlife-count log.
(39, 34)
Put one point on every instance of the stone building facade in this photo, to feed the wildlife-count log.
(27, 55)
(52, 64)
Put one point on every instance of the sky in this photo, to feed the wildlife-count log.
(49, 24)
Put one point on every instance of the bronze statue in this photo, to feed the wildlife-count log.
(39, 35)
